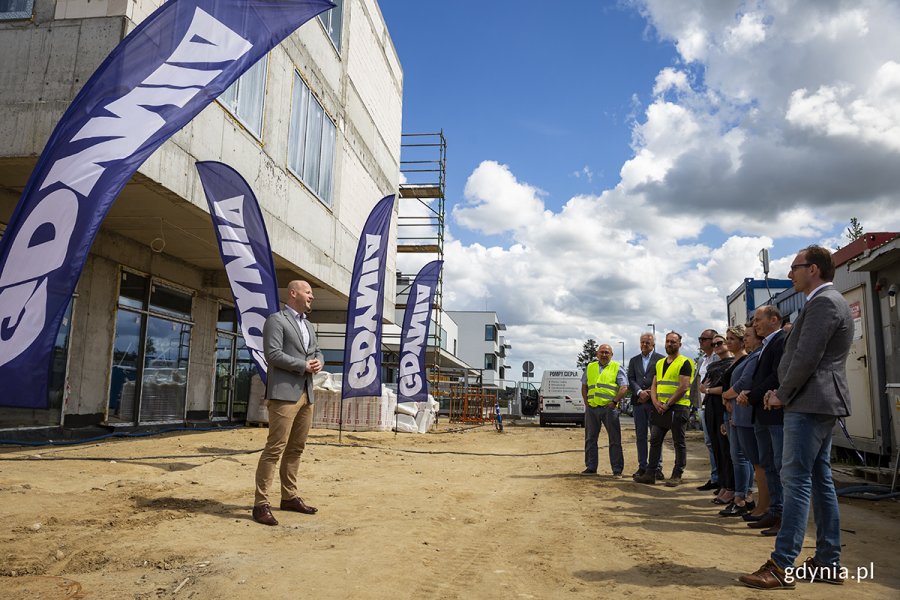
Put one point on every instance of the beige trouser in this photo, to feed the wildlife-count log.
(288, 427)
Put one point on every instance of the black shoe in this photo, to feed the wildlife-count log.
(751, 518)
(733, 510)
(646, 478)
(659, 475)
(709, 485)
(639, 472)
(589, 472)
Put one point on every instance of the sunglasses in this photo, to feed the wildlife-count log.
(717, 344)
(704, 339)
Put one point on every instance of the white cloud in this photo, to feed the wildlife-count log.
(497, 202)
(750, 31)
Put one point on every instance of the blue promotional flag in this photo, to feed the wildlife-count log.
(413, 385)
(154, 82)
(362, 341)
(246, 252)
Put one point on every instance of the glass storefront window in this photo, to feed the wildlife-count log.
(167, 301)
(126, 356)
(164, 378)
(133, 290)
(148, 381)
(235, 369)
(227, 320)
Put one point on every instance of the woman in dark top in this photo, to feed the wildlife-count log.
(715, 417)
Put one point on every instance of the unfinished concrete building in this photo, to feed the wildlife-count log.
(150, 336)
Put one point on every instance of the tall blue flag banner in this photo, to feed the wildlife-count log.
(246, 252)
(362, 341)
(413, 386)
(155, 81)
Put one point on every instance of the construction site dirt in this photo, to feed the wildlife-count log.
(453, 514)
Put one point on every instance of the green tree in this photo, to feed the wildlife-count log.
(855, 231)
(588, 353)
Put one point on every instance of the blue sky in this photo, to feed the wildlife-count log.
(546, 92)
(612, 164)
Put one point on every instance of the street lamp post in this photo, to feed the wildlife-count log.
(653, 325)
(623, 352)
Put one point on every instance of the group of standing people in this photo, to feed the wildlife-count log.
(770, 396)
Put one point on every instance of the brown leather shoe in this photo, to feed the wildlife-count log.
(768, 577)
(767, 521)
(773, 530)
(263, 514)
(297, 505)
(815, 572)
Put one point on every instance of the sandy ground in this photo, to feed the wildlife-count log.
(473, 514)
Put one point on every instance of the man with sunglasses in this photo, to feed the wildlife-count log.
(709, 357)
(813, 393)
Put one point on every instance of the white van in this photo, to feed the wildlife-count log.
(560, 398)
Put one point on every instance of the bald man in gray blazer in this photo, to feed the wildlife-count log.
(293, 357)
(813, 390)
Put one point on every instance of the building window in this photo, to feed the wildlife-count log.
(490, 362)
(236, 373)
(311, 142)
(333, 20)
(15, 9)
(490, 333)
(150, 351)
(246, 97)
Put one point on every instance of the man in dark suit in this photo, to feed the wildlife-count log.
(768, 425)
(293, 357)
(813, 393)
(641, 369)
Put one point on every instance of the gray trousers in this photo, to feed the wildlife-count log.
(594, 419)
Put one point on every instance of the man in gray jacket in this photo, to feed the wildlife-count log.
(812, 388)
(293, 357)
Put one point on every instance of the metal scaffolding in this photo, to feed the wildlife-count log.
(420, 229)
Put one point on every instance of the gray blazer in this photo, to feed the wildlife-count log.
(812, 373)
(287, 357)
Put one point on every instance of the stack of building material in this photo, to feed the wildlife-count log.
(365, 413)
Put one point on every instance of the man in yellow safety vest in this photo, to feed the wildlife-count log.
(670, 393)
(603, 385)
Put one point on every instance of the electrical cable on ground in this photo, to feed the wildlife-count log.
(241, 452)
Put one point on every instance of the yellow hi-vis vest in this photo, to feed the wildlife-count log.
(668, 382)
(601, 385)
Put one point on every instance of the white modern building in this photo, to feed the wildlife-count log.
(314, 128)
(480, 344)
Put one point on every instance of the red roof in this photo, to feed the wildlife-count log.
(866, 242)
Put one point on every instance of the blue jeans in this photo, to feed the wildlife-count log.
(713, 472)
(806, 473)
(595, 417)
(769, 443)
(743, 469)
(642, 432)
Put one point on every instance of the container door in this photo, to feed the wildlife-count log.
(861, 421)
